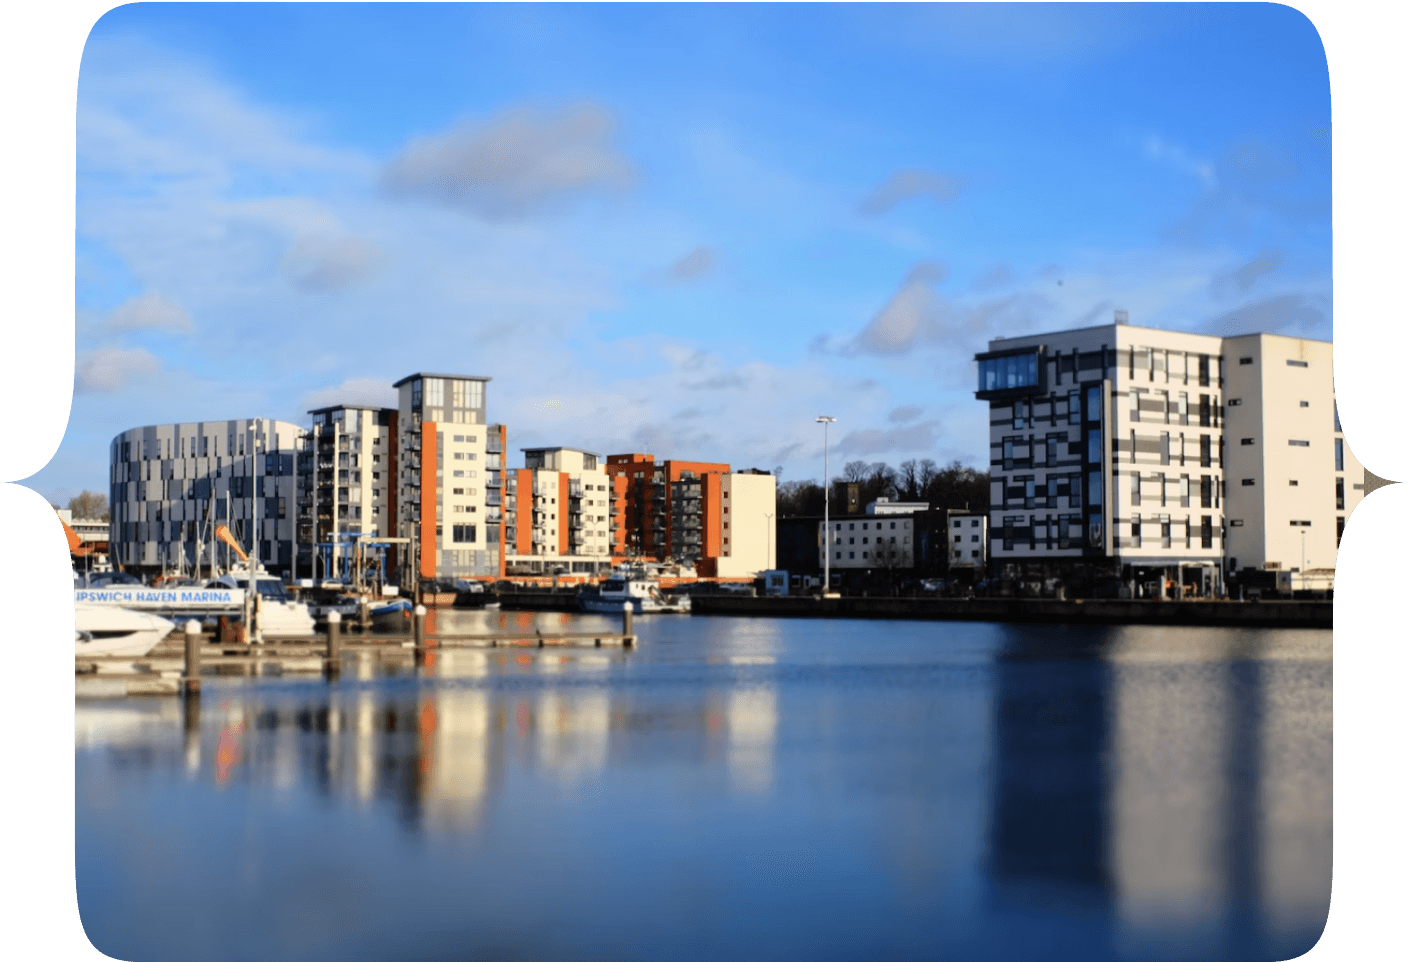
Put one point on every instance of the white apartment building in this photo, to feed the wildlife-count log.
(560, 504)
(1110, 444)
(1291, 480)
(170, 485)
(747, 543)
(347, 484)
(967, 541)
(449, 476)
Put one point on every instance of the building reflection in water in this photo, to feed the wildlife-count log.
(1179, 779)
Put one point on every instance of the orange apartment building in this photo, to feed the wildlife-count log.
(673, 511)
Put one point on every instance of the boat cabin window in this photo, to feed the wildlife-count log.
(271, 589)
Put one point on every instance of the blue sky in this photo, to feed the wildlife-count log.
(684, 230)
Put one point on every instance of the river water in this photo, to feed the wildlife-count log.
(730, 789)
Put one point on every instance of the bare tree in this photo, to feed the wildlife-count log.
(89, 506)
(855, 471)
(908, 481)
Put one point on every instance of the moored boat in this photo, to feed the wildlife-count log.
(112, 630)
(623, 588)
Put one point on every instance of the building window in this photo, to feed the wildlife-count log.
(1165, 454)
(1136, 532)
(1249, 482)
(1094, 448)
(1244, 360)
(1135, 485)
(1297, 364)
(1305, 404)
(1300, 524)
(1165, 531)
(1093, 489)
(1206, 532)
(1051, 441)
(1092, 402)
(1300, 444)
(1339, 453)
(1013, 370)
(1339, 531)
(1205, 491)
(1295, 483)
(1339, 495)
(1133, 405)
(1074, 405)
(1205, 451)
(1204, 371)
(1248, 442)
(1182, 407)
(1234, 402)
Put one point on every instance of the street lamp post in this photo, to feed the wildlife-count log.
(825, 423)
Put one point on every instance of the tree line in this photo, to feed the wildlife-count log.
(955, 486)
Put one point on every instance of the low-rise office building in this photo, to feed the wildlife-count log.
(967, 541)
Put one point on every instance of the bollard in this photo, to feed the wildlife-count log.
(420, 627)
(192, 679)
(364, 613)
(334, 665)
(627, 615)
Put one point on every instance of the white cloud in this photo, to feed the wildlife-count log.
(908, 183)
(1156, 148)
(520, 163)
(110, 368)
(149, 311)
(324, 263)
(694, 266)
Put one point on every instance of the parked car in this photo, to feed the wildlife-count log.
(933, 584)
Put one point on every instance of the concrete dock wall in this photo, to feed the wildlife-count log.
(1264, 614)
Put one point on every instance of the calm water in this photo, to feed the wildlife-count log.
(742, 789)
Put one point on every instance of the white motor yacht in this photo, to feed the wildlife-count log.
(111, 630)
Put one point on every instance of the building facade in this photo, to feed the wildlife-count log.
(171, 485)
(1110, 446)
(346, 484)
(561, 509)
(967, 541)
(449, 466)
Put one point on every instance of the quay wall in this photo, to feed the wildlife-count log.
(1260, 614)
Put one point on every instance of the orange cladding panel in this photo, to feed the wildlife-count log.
(427, 499)
(525, 512)
(563, 485)
(711, 504)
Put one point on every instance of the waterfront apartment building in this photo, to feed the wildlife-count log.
(697, 513)
(558, 508)
(967, 541)
(1133, 447)
(884, 538)
(449, 467)
(170, 485)
(346, 485)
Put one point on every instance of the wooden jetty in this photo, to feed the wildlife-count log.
(177, 663)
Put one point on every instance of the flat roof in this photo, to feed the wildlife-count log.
(1144, 327)
(560, 448)
(350, 407)
(452, 377)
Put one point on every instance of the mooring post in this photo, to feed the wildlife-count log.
(419, 620)
(364, 613)
(627, 629)
(334, 665)
(192, 679)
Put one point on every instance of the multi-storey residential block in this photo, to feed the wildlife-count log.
(695, 512)
(1291, 480)
(561, 508)
(450, 476)
(1110, 446)
(346, 485)
(170, 485)
(967, 541)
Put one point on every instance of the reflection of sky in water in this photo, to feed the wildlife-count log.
(730, 788)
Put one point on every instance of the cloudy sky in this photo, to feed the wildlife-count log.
(681, 230)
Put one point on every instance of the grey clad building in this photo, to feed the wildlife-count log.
(1152, 454)
(171, 485)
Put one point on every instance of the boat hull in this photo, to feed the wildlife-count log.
(640, 606)
(108, 630)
